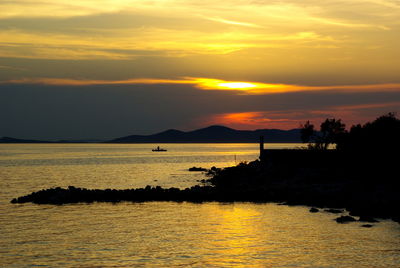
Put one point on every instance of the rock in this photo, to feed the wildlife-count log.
(367, 225)
(197, 169)
(345, 219)
(314, 210)
(333, 210)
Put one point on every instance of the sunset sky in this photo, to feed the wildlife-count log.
(108, 68)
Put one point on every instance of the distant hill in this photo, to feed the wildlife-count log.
(214, 134)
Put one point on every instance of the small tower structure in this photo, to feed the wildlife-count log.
(261, 147)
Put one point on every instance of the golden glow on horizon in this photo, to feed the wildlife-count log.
(254, 88)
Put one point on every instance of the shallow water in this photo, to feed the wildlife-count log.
(28, 167)
(164, 234)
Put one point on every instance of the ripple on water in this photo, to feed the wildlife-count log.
(161, 234)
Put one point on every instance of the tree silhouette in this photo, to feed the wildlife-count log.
(380, 135)
(307, 132)
(330, 132)
(331, 129)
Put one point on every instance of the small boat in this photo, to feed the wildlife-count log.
(158, 149)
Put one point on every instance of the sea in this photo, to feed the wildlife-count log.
(166, 234)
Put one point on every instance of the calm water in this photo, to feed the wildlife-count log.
(165, 233)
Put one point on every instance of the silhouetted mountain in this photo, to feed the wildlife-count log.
(214, 134)
(211, 134)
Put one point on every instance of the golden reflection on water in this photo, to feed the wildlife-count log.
(166, 234)
(268, 235)
(169, 234)
(233, 234)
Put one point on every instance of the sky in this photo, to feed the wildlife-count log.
(103, 69)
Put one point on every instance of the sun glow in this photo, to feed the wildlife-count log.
(217, 84)
(237, 85)
(252, 88)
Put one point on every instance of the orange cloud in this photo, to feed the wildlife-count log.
(253, 120)
(368, 106)
(289, 119)
(88, 82)
(244, 87)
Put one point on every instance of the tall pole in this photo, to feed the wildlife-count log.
(261, 146)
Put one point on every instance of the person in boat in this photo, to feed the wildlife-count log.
(158, 149)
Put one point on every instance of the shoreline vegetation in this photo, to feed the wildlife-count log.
(360, 176)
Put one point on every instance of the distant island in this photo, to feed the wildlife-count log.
(211, 134)
(215, 134)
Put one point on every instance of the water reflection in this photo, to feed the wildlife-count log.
(29, 167)
(233, 237)
(161, 234)
(166, 234)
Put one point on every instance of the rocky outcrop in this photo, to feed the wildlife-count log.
(198, 169)
(345, 219)
(75, 195)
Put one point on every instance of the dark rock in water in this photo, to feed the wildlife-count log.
(367, 225)
(345, 219)
(314, 210)
(213, 171)
(333, 210)
(197, 169)
(74, 195)
(367, 219)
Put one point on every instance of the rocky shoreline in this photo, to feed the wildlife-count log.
(252, 182)
(197, 194)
